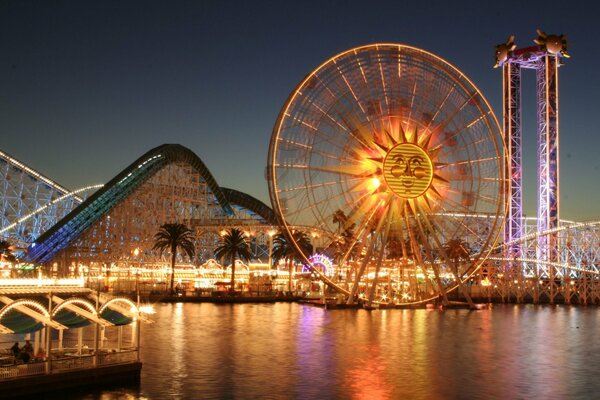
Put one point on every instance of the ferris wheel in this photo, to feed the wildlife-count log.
(397, 157)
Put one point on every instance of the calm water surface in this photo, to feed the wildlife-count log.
(291, 351)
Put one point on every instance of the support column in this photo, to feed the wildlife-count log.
(36, 342)
(548, 212)
(513, 271)
(79, 340)
(60, 339)
(48, 338)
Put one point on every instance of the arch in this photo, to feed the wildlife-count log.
(119, 315)
(75, 300)
(211, 263)
(18, 322)
(24, 302)
(130, 303)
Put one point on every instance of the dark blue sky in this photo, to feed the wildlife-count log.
(86, 87)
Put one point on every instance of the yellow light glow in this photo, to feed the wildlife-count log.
(375, 183)
(78, 282)
(147, 309)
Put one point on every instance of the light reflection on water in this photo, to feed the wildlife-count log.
(290, 351)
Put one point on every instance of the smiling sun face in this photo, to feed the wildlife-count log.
(407, 170)
(406, 162)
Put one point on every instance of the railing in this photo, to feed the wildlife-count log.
(63, 363)
(117, 357)
(33, 368)
(72, 362)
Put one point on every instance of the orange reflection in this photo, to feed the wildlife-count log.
(365, 379)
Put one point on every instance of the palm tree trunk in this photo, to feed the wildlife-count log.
(290, 279)
(173, 256)
(232, 272)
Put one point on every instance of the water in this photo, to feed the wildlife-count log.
(290, 351)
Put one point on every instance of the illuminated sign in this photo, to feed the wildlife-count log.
(322, 261)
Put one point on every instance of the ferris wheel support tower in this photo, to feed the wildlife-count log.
(544, 59)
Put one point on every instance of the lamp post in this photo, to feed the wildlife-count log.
(138, 271)
(97, 331)
(136, 253)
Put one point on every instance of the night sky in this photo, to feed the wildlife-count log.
(87, 87)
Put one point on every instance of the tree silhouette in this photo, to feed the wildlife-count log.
(173, 237)
(234, 245)
(283, 249)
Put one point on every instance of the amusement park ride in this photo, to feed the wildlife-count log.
(391, 154)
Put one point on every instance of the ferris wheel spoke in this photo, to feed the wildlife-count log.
(310, 149)
(432, 233)
(357, 171)
(325, 86)
(461, 150)
(326, 138)
(446, 121)
(347, 170)
(383, 84)
(439, 108)
(358, 238)
(429, 254)
(351, 90)
(300, 210)
(465, 147)
(378, 263)
(372, 238)
(311, 186)
(334, 120)
(412, 101)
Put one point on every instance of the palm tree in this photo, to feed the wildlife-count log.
(283, 249)
(234, 245)
(340, 218)
(457, 250)
(173, 237)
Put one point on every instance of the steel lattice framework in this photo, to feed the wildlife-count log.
(544, 59)
(576, 278)
(511, 73)
(31, 203)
